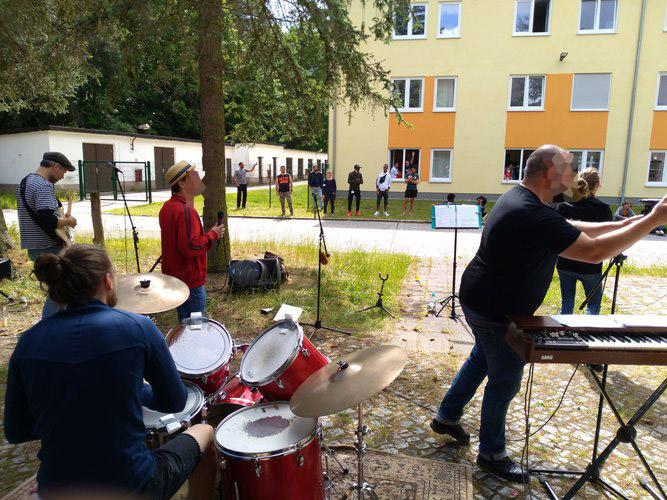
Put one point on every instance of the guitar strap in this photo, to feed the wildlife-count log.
(33, 215)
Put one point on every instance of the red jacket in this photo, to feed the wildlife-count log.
(184, 243)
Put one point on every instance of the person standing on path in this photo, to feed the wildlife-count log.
(284, 187)
(329, 192)
(382, 185)
(411, 181)
(510, 275)
(315, 181)
(355, 180)
(240, 179)
(37, 208)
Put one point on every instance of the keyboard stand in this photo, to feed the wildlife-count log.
(626, 433)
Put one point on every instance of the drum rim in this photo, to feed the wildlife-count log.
(227, 354)
(265, 454)
(196, 409)
(283, 368)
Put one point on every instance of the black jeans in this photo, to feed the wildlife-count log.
(382, 195)
(329, 198)
(241, 192)
(356, 193)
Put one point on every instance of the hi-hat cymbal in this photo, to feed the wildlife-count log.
(150, 293)
(346, 383)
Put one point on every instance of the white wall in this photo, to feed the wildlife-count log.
(20, 154)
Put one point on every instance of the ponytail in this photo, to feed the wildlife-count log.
(589, 180)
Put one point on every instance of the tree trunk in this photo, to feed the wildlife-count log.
(96, 214)
(5, 240)
(212, 115)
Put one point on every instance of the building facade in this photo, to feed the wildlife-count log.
(485, 82)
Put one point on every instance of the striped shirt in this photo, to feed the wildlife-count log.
(40, 195)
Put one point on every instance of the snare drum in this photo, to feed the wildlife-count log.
(279, 360)
(268, 452)
(233, 396)
(160, 426)
(201, 352)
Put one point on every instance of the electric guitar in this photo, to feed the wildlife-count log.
(65, 232)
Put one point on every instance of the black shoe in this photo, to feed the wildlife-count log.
(505, 468)
(456, 431)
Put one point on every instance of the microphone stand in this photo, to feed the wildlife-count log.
(135, 234)
(322, 243)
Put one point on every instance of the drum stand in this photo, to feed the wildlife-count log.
(361, 487)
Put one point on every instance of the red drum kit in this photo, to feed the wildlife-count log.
(269, 440)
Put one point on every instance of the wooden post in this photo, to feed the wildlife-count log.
(96, 214)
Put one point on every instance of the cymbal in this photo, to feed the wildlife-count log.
(346, 383)
(150, 293)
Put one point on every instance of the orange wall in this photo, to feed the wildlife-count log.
(659, 132)
(557, 124)
(429, 130)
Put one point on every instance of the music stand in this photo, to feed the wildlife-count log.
(454, 217)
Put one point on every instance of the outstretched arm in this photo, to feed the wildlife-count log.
(593, 229)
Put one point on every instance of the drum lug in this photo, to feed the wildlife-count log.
(305, 352)
(258, 471)
(299, 457)
(280, 384)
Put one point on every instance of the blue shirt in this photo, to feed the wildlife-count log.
(75, 382)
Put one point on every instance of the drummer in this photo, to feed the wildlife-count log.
(184, 242)
(75, 382)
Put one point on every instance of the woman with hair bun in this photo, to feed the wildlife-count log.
(589, 209)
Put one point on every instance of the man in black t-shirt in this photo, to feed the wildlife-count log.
(284, 190)
(510, 274)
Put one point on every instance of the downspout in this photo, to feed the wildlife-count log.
(628, 142)
(333, 135)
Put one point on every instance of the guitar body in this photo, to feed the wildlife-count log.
(65, 233)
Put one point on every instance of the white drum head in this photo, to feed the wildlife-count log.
(200, 351)
(154, 419)
(264, 428)
(271, 353)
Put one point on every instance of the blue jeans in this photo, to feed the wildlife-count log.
(196, 303)
(491, 356)
(568, 290)
(318, 194)
(50, 307)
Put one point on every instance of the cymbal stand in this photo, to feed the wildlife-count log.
(361, 486)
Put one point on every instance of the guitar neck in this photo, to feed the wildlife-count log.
(69, 208)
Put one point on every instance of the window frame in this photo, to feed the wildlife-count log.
(660, 107)
(584, 157)
(530, 20)
(404, 149)
(597, 31)
(435, 94)
(524, 107)
(441, 180)
(522, 164)
(406, 96)
(409, 35)
(439, 16)
(664, 169)
(606, 109)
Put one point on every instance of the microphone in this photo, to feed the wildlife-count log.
(113, 167)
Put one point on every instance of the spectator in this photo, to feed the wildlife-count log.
(648, 206)
(587, 209)
(284, 187)
(481, 202)
(508, 172)
(450, 199)
(395, 170)
(624, 211)
(315, 181)
(382, 185)
(329, 192)
(240, 179)
(411, 181)
(355, 180)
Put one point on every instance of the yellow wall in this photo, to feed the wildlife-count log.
(482, 60)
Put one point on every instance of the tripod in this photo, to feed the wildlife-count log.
(453, 297)
(135, 234)
(379, 303)
(322, 258)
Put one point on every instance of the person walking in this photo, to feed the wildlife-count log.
(329, 192)
(284, 187)
(589, 209)
(240, 179)
(382, 185)
(411, 181)
(315, 181)
(355, 180)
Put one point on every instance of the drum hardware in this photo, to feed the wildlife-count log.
(379, 304)
(150, 293)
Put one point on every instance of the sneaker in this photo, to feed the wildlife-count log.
(504, 468)
(660, 232)
(386, 214)
(333, 214)
(376, 214)
(349, 213)
(456, 431)
(357, 213)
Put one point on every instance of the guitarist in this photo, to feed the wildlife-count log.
(38, 206)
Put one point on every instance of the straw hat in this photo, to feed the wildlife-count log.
(177, 172)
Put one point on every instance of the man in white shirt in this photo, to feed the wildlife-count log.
(382, 185)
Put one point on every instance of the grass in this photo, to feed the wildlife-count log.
(8, 199)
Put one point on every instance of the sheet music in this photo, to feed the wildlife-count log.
(648, 320)
(287, 310)
(587, 321)
(460, 216)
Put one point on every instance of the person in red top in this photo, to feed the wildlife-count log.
(184, 242)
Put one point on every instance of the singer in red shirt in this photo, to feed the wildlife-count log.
(184, 242)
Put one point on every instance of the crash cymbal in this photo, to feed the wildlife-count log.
(150, 293)
(346, 383)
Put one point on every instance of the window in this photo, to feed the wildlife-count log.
(527, 92)
(598, 16)
(445, 94)
(450, 20)
(515, 163)
(441, 165)
(585, 159)
(402, 159)
(657, 174)
(590, 92)
(661, 99)
(412, 26)
(409, 92)
(531, 17)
